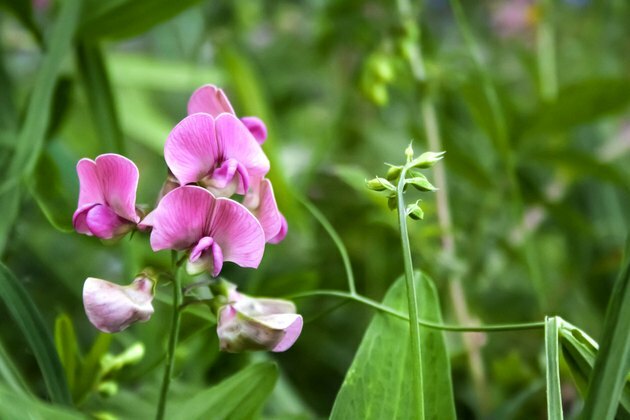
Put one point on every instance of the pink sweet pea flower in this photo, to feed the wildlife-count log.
(219, 153)
(261, 201)
(213, 229)
(212, 100)
(107, 196)
(112, 308)
(248, 323)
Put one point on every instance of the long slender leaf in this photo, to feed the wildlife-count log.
(127, 18)
(67, 347)
(239, 397)
(10, 374)
(554, 396)
(16, 406)
(377, 384)
(612, 364)
(30, 323)
(100, 97)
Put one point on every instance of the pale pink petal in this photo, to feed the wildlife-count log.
(268, 214)
(103, 223)
(236, 142)
(90, 191)
(119, 180)
(191, 150)
(291, 332)
(257, 127)
(181, 218)
(239, 234)
(112, 308)
(282, 233)
(209, 99)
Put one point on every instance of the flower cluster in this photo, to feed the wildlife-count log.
(215, 206)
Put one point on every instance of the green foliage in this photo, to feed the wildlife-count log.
(552, 359)
(378, 384)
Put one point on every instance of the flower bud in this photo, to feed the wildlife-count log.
(420, 182)
(380, 184)
(393, 173)
(112, 308)
(409, 153)
(414, 211)
(258, 324)
(427, 159)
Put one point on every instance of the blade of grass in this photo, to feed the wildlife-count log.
(29, 321)
(554, 396)
(612, 364)
(100, 96)
(10, 373)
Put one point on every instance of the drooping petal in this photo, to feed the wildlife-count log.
(191, 149)
(257, 127)
(282, 233)
(239, 234)
(119, 181)
(103, 223)
(209, 99)
(266, 208)
(236, 142)
(181, 218)
(292, 327)
(112, 308)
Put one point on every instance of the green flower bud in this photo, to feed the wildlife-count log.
(393, 173)
(380, 184)
(414, 211)
(392, 202)
(427, 159)
(409, 153)
(420, 182)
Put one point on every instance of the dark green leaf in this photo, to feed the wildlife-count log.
(127, 18)
(241, 396)
(67, 347)
(29, 321)
(377, 384)
(10, 374)
(612, 365)
(554, 395)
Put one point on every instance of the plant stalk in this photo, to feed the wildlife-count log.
(172, 341)
(412, 299)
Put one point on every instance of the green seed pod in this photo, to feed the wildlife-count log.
(427, 159)
(393, 173)
(379, 184)
(414, 211)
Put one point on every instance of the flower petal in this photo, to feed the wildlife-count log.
(291, 331)
(236, 142)
(79, 219)
(267, 213)
(181, 218)
(112, 308)
(191, 149)
(209, 99)
(282, 233)
(103, 223)
(90, 191)
(119, 181)
(239, 234)
(257, 127)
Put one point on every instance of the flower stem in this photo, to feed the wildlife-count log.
(412, 300)
(172, 341)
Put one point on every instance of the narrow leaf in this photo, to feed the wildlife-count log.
(378, 384)
(612, 365)
(67, 347)
(554, 396)
(16, 406)
(10, 374)
(29, 321)
(241, 396)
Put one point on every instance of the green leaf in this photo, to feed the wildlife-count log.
(29, 321)
(241, 396)
(582, 103)
(554, 395)
(612, 365)
(378, 385)
(16, 406)
(10, 374)
(579, 352)
(67, 347)
(23, 10)
(90, 370)
(100, 98)
(127, 18)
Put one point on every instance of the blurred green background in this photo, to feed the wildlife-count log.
(329, 80)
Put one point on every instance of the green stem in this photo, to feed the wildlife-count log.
(172, 341)
(546, 54)
(412, 296)
(318, 215)
(424, 323)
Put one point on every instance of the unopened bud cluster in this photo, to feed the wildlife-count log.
(411, 175)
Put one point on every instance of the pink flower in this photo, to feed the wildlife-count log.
(219, 153)
(112, 308)
(212, 100)
(247, 323)
(261, 202)
(213, 229)
(107, 196)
